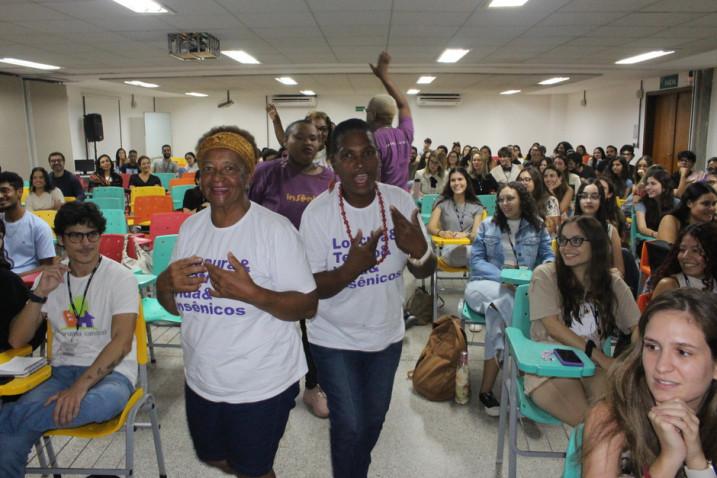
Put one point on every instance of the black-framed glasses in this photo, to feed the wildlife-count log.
(593, 196)
(575, 241)
(76, 237)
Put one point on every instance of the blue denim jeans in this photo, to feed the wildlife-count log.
(23, 422)
(358, 387)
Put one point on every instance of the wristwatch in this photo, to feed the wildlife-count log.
(36, 298)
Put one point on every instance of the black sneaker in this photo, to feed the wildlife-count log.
(490, 404)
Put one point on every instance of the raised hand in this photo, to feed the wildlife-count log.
(409, 236)
(381, 68)
(236, 284)
(181, 275)
(271, 111)
(51, 277)
(363, 257)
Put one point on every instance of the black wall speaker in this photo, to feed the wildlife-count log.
(93, 127)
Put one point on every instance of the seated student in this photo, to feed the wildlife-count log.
(145, 176)
(481, 180)
(431, 179)
(194, 200)
(192, 166)
(105, 174)
(657, 201)
(620, 177)
(28, 238)
(94, 365)
(658, 417)
(696, 205)
(591, 202)
(692, 261)
(131, 166)
(686, 174)
(556, 183)
(561, 164)
(506, 171)
(577, 302)
(515, 237)
(598, 161)
(456, 214)
(68, 183)
(614, 213)
(43, 194)
(15, 295)
(120, 159)
(711, 178)
(548, 206)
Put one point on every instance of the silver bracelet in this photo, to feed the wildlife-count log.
(422, 260)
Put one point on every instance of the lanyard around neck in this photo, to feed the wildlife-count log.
(84, 294)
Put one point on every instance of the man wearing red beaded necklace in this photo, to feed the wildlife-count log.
(357, 334)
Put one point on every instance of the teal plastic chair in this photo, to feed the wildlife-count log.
(526, 356)
(107, 202)
(165, 178)
(154, 313)
(109, 192)
(488, 202)
(427, 202)
(573, 467)
(178, 192)
(636, 236)
(116, 221)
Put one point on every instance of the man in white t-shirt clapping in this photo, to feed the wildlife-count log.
(359, 240)
(239, 278)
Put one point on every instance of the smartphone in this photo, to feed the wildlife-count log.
(568, 357)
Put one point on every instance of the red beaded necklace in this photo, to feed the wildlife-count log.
(382, 207)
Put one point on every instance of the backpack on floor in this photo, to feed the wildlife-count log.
(435, 374)
(420, 305)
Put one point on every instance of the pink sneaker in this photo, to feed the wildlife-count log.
(315, 400)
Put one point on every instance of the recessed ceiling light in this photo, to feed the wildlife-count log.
(413, 91)
(140, 83)
(308, 92)
(505, 3)
(143, 6)
(552, 81)
(286, 80)
(241, 56)
(29, 64)
(425, 80)
(509, 92)
(643, 57)
(452, 55)
(194, 93)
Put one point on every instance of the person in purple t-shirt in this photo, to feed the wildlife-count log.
(394, 144)
(286, 186)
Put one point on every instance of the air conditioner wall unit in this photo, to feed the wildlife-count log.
(294, 101)
(438, 99)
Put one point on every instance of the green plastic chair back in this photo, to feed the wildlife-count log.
(107, 202)
(165, 178)
(178, 194)
(471, 316)
(635, 236)
(488, 202)
(521, 310)
(573, 465)
(427, 203)
(162, 252)
(109, 192)
(116, 221)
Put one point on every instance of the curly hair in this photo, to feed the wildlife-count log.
(528, 208)
(705, 234)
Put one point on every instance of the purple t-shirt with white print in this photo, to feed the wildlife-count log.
(281, 187)
(394, 149)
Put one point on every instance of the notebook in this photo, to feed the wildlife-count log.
(21, 366)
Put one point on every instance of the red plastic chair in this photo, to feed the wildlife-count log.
(111, 246)
(125, 180)
(645, 262)
(145, 206)
(643, 300)
(166, 223)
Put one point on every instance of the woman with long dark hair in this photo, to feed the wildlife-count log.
(613, 212)
(658, 200)
(618, 173)
(591, 202)
(547, 204)
(659, 414)
(515, 237)
(697, 204)
(456, 214)
(597, 160)
(105, 174)
(557, 185)
(43, 194)
(578, 302)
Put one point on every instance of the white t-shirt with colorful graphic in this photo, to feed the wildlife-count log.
(233, 351)
(113, 291)
(368, 314)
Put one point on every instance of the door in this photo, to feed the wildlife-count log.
(667, 125)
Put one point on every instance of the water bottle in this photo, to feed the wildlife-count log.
(463, 384)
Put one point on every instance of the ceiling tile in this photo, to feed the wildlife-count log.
(347, 5)
(274, 20)
(605, 5)
(655, 19)
(679, 6)
(626, 32)
(202, 22)
(30, 12)
(263, 6)
(584, 19)
(62, 26)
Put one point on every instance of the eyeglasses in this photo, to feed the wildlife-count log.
(593, 196)
(76, 237)
(527, 179)
(575, 241)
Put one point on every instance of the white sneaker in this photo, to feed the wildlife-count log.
(475, 328)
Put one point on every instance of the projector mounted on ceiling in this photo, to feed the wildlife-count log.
(228, 102)
(193, 46)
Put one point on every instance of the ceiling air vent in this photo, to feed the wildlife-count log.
(294, 100)
(438, 99)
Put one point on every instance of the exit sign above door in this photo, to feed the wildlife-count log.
(669, 81)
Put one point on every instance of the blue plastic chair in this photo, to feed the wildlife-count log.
(636, 236)
(526, 356)
(178, 192)
(116, 221)
(427, 202)
(107, 202)
(488, 201)
(165, 178)
(573, 467)
(109, 192)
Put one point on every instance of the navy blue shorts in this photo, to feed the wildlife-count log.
(245, 435)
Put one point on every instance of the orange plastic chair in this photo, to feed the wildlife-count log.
(125, 180)
(645, 269)
(166, 223)
(189, 175)
(145, 206)
(145, 191)
(181, 181)
(111, 245)
(643, 300)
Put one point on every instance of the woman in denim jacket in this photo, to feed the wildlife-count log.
(515, 237)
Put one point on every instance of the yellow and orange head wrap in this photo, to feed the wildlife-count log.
(233, 142)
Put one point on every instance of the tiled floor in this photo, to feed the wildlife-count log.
(419, 439)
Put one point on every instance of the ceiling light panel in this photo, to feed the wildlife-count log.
(452, 55)
(241, 56)
(286, 80)
(28, 64)
(650, 55)
(413, 91)
(143, 6)
(143, 84)
(510, 92)
(196, 94)
(425, 80)
(552, 81)
(507, 3)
